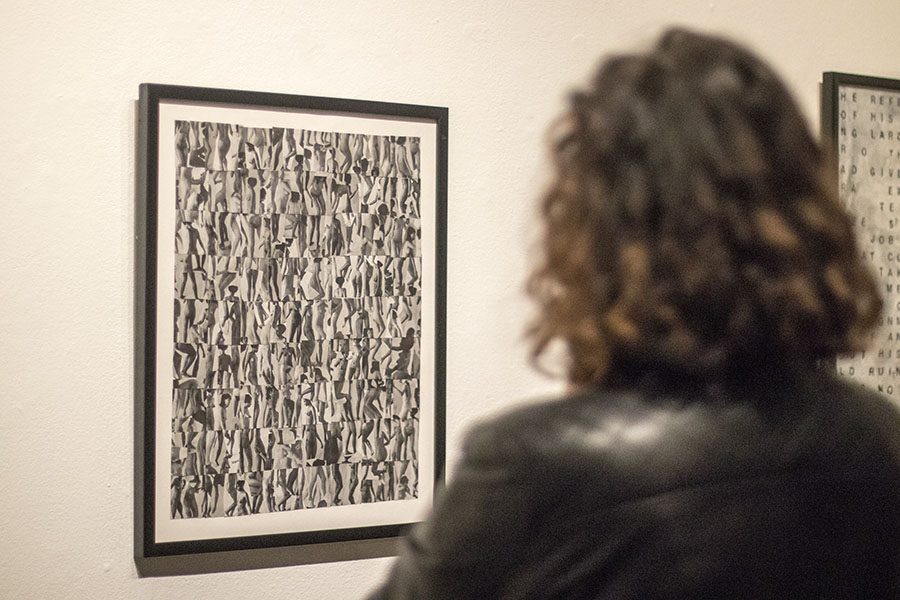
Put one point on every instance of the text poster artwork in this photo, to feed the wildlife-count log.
(868, 144)
(297, 319)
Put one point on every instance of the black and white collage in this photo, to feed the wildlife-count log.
(297, 320)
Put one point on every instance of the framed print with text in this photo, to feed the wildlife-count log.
(291, 268)
(861, 123)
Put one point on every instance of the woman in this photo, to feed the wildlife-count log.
(212, 483)
(333, 445)
(242, 500)
(220, 400)
(191, 489)
(284, 488)
(255, 490)
(311, 443)
(175, 504)
(697, 265)
(232, 490)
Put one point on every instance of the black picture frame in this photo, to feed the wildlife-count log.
(376, 171)
(860, 128)
(832, 81)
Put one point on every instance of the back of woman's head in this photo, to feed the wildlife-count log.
(692, 226)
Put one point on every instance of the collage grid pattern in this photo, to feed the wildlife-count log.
(297, 319)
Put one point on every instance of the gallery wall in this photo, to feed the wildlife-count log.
(70, 75)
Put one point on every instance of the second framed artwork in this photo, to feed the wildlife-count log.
(291, 309)
(861, 126)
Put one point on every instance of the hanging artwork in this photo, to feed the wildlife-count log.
(291, 272)
(861, 123)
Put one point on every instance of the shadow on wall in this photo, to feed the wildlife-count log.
(266, 558)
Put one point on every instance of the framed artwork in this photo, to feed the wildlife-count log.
(861, 123)
(291, 270)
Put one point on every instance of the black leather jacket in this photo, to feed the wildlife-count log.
(789, 489)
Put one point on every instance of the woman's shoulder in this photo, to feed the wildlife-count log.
(642, 443)
(546, 425)
(855, 422)
(590, 435)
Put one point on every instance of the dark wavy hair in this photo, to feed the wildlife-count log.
(692, 226)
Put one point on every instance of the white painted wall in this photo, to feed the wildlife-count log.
(69, 73)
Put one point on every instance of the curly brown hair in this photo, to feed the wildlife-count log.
(692, 225)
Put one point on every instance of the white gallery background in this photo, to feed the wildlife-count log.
(70, 75)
